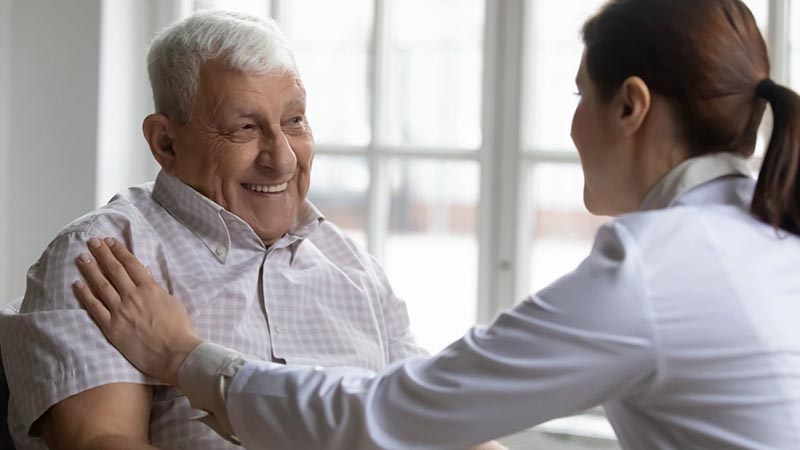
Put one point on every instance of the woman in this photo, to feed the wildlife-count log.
(681, 322)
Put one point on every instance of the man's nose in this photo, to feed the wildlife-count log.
(277, 154)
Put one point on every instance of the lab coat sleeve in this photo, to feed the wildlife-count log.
(586, 339)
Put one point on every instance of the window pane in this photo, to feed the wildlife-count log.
(432, 249)
(552, 57)
(254, 7)
(331, 42)
(553, 52)
(794, 44)
(339, 190)
(760, 10)
(562, 230)
(434, 73)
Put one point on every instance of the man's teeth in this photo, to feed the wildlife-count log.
(267, 188)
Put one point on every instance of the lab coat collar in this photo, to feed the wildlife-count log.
(691, 173)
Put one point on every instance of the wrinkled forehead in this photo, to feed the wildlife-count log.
(219, 82)
(214, 70)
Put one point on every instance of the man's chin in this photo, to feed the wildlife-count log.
(270, 235)
(269, 241)
(270, 224)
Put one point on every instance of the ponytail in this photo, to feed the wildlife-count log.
(777, 196)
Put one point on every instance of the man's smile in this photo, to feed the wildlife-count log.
(266, 188)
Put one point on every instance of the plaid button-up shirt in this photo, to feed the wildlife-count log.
(313, 297)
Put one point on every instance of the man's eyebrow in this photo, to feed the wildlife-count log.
(297, 103)
(245, 112)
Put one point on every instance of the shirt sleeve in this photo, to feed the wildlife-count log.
(52, 349)
(584, 340)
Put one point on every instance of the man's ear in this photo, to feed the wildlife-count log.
(158, 132)
(633, 105)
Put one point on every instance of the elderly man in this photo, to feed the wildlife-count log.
(226, 227)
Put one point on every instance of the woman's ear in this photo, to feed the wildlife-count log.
(156, 129)
(633, 105)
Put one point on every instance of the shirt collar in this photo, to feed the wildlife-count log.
(310, 219)
(692, 173)
(212, 223)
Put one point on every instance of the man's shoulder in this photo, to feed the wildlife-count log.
(132, 207)
(335, 243)
(131, 216)
(336, 247)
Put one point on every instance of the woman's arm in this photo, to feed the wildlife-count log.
(582, 341)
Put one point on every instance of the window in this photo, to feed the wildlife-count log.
(560, 231)
(443, 143)
(395, 102)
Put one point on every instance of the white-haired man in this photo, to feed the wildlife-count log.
(226, 227)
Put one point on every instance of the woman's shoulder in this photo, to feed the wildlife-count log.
(682, 222)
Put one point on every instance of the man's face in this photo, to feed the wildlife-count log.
(248, 147)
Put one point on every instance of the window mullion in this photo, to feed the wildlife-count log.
(377, 195)
(277, 11)
(166, 13)
(500, 186)
(778, 39)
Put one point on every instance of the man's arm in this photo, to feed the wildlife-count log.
(109, 417)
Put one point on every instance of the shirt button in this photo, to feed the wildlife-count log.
(278, 329)
(221, 250)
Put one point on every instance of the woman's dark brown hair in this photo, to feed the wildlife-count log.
(709, 59)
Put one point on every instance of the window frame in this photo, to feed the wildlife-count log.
(379, 155)
(504, 240)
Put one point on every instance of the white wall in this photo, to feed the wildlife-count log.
(73, 93)
(123, 158)
(53, 123)
(5, 92)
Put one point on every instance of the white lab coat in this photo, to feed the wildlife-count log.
(683, 322)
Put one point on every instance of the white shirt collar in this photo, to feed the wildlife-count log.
(691, 173)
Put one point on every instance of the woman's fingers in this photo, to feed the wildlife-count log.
(97, 282)
(116, 272)
(97, 310)
(137, 272)
(141, 319)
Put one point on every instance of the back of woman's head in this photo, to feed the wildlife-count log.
(709, 60)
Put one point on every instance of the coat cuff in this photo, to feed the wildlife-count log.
(205, 377)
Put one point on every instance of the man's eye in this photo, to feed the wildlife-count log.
(247, 126)
(297, 120)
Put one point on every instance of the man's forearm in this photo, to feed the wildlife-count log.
(100, 442)
(115, 443)
(110, 417)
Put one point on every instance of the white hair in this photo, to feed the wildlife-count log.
(251, 44)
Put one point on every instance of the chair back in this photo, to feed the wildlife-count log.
(6, 443)
(5, 436)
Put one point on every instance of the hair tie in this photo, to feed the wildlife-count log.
(764, 87)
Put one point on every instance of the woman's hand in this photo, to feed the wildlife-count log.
(143, 321)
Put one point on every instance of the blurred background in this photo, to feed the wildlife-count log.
(442, 131)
